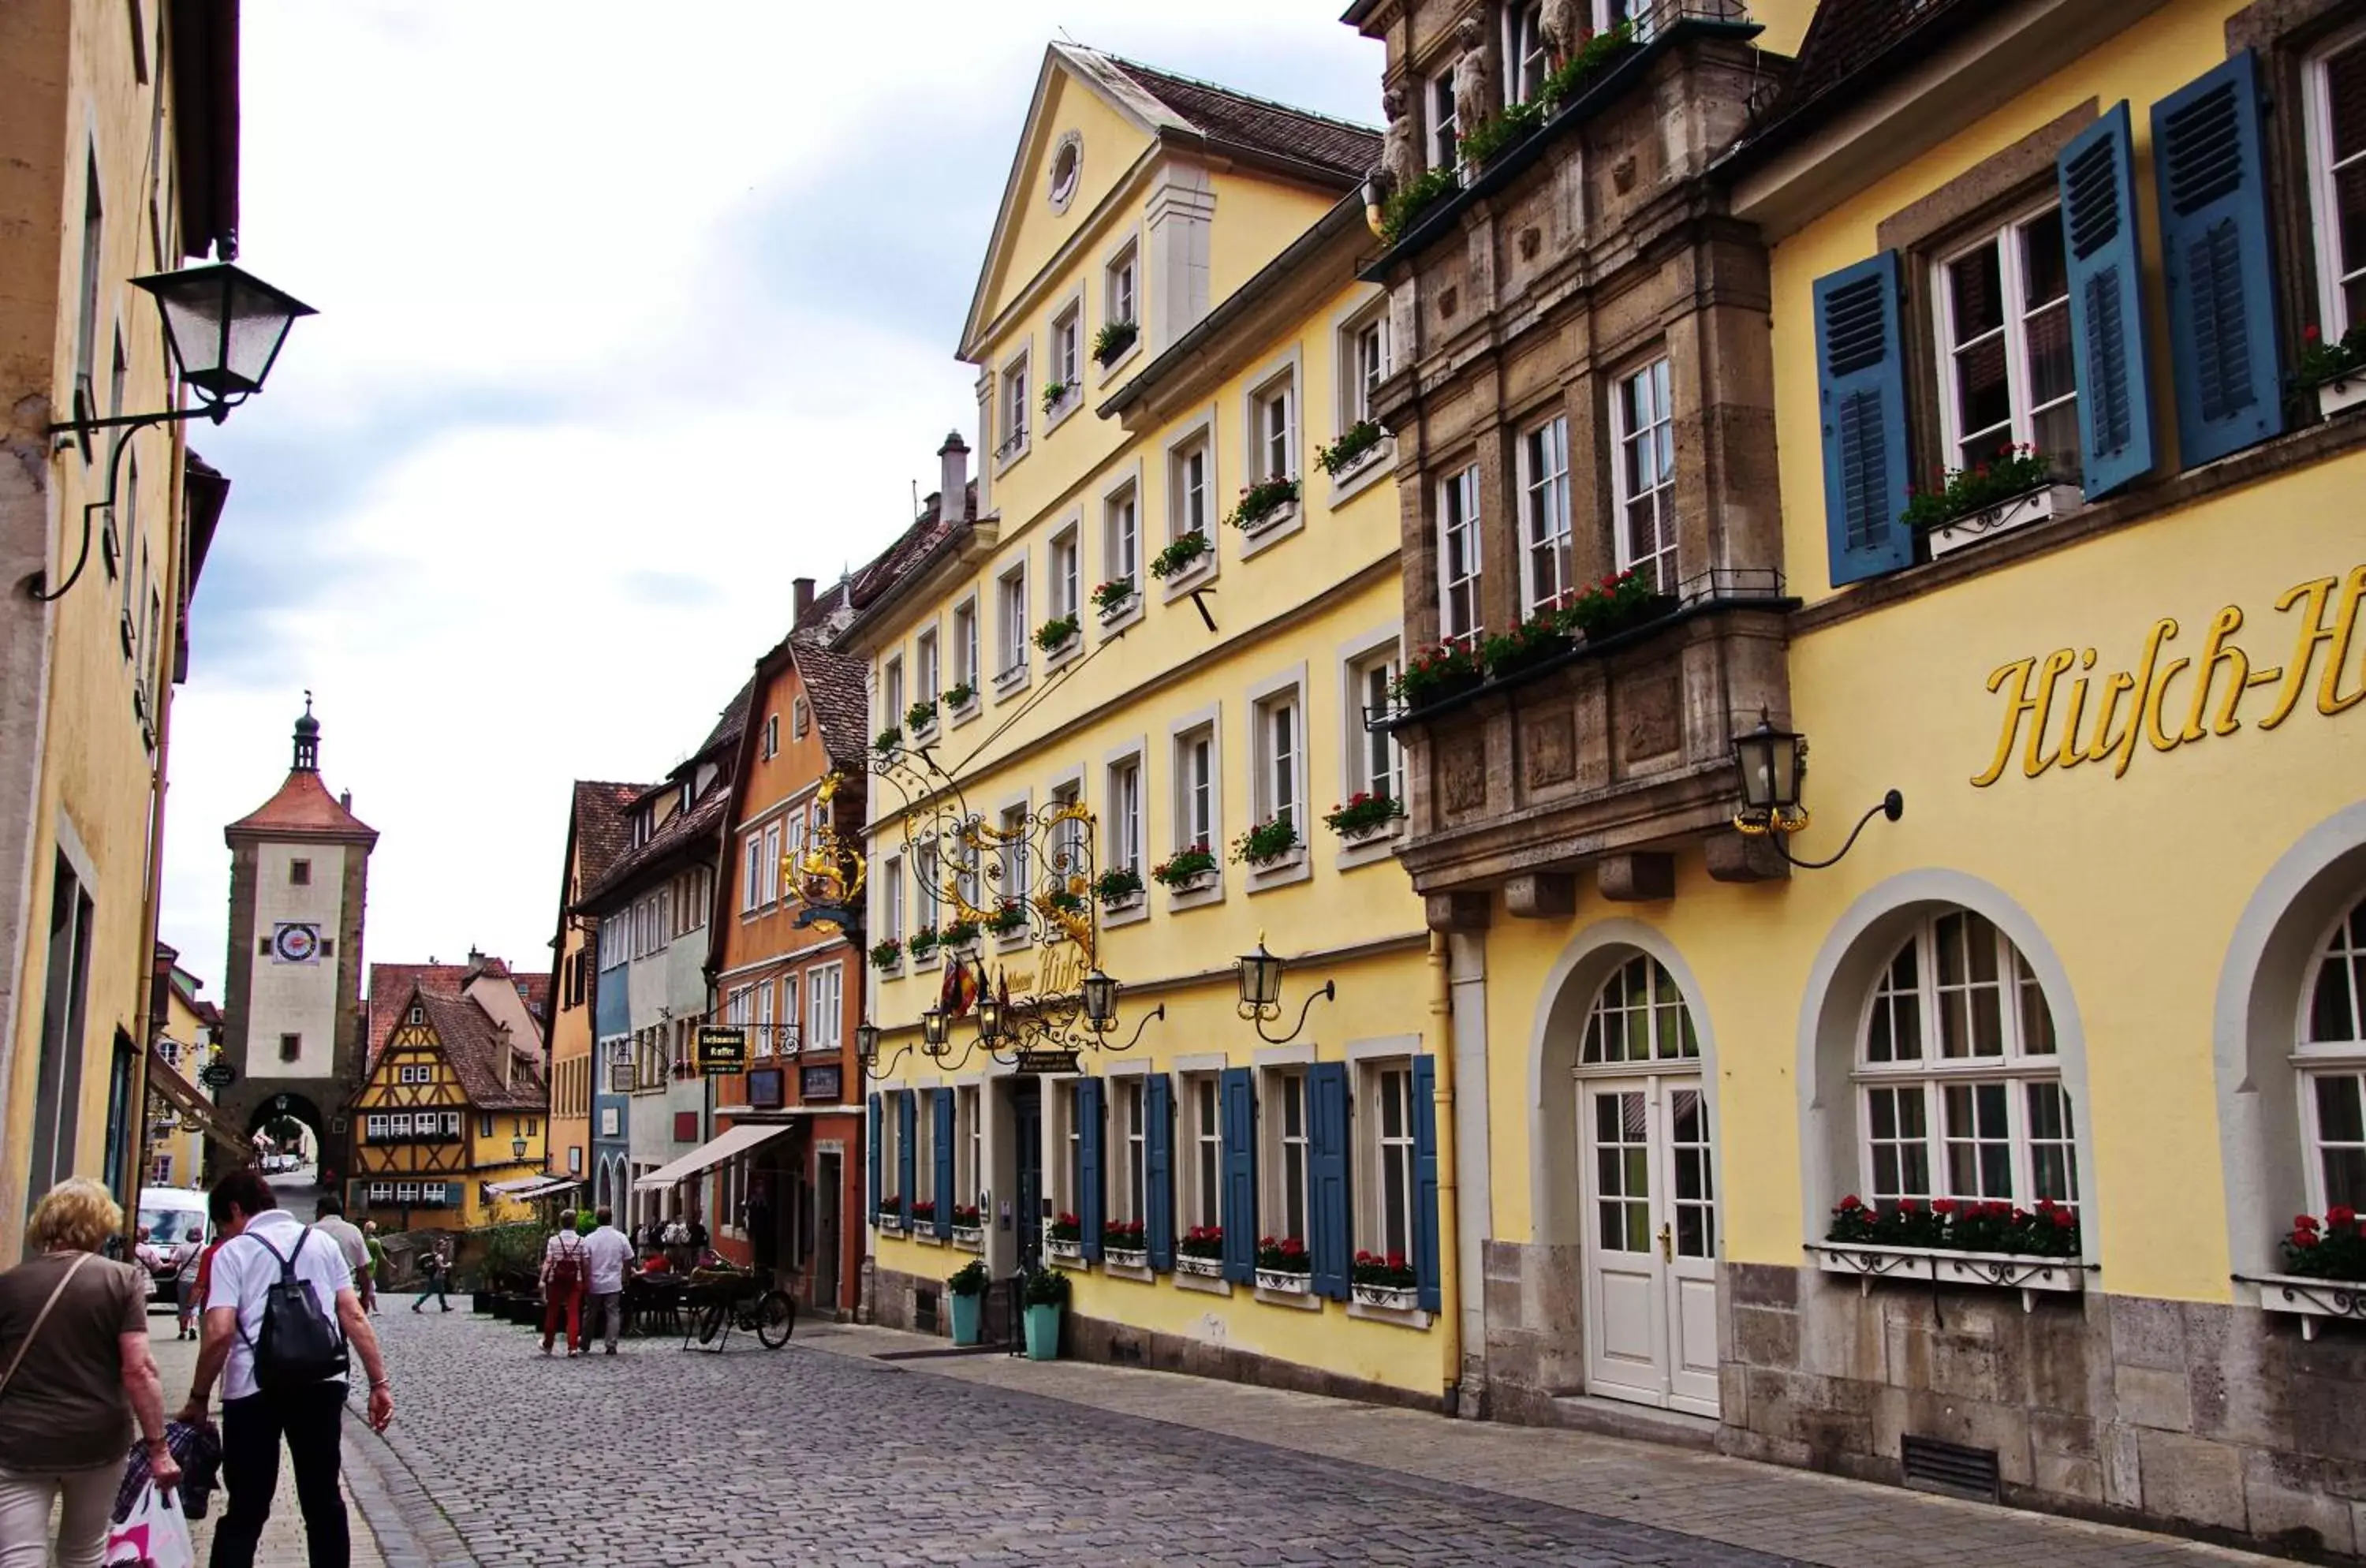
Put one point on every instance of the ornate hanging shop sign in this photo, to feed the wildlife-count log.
(2060, 711)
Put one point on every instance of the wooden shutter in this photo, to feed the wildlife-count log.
(944, 1153)
(1860, 367)
(1239, 1148)
(2216, 257)
(1425, 1182)
(2096, 176)
(877, 1127)
(1091, 1212)
(1158, 1170)
(908, 1154)
(1328, 1209)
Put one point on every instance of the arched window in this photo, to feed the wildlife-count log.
(2332, 1067)
(1959, 1086)
(1638, 1017)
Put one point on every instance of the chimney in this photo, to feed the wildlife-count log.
(805, 587)
(952, 487)
(345, 799)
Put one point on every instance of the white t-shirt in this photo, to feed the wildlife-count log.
(606, 1253)
(244, 1271)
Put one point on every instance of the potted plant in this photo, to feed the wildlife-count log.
(2334, 1249)
(959, 933)
(959, 695)
(969, 1225)
(1201, 1252)
(1499, 132)
(1949, 1225)
(1062, 900)
(1181, 554)
(923, 943)
(1584, 63)
(1264, 503)
(1112, 340)
(1365, 816)
(1283, 1264)
(1054, 635)
(967, 1287)
(1186, 870)
(891, 1213)
(1119, 889)
(1114, 597)
(2335, 372)
(1046, 1293)
(921, 716)
(1530, 643)
(1435, 673)
(1406, 205)
(1352, 450)
(1054, 394)
(1007, 917)
(1065, 1237)
(1123, 1244)
(2012, 489)
(1621, 602)
(886, 741)
(1387, 1281)
(924, 1215)
(1267, 843)
(887, 954)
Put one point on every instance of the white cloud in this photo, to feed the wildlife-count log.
(629, 315)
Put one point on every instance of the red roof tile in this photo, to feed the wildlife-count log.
(1847, 39)
(304, 809)
(1236, 120)
(604, 827)
(472, 1044)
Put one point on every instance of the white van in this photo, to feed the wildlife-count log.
(174, 1218)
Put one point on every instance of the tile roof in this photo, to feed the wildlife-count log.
(733, 721)
(683, 832)
(841, 703)
(604, 826)
(303, 808)
(534, 990)
(390, 986)
(473, 1045)
(912, 547)
(1259, 125)
(1847, 37)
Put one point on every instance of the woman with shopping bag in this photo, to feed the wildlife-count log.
(66, 1412)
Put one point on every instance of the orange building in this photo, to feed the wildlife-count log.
(789, 1195)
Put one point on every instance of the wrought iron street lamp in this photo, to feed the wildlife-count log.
(1101, 1001)
(866, 1041)
(1773, 762)
(1261, 994)
(934, 1023)
(517, 1147)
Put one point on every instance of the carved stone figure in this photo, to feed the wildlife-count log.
(1567, 25)
(1401, 147)
(1474, 94)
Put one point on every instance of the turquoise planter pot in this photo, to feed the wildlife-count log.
(1042, 1332)
(968, 1312)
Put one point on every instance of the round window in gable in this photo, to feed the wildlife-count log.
(1068, 162)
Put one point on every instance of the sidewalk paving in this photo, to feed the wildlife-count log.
(1770, 1508)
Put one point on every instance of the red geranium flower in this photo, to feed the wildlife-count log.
(1851, 1204)
(1942, 1205)
(2341, 1215)
(2305, 1221)
(2310, 332)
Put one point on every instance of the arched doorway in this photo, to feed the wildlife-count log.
(268, 1118)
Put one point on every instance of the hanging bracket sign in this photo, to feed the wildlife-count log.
(722, 1049)
(1047, 1061)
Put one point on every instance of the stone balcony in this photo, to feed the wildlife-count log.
(1602, 761)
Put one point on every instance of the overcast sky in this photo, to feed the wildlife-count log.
(629, 315)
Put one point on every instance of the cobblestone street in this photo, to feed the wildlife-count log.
(822, 1452)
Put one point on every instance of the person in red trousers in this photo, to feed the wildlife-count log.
(566, 1269)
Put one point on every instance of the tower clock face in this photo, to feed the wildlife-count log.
(294, 942)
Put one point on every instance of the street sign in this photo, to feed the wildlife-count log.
(218, 1075)
(1047, 1061)
(722, 1049)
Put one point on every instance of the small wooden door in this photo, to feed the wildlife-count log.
(1650, 1234)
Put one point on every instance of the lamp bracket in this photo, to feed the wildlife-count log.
(1258, 1015)
(1775, 827)
(35, 584)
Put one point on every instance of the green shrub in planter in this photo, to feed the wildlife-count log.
(1046, 1293)
(968, 1286)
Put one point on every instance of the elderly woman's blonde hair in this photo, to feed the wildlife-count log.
(77, 1213)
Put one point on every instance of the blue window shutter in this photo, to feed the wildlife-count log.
(1329, 1212)
(1091, 1212)
(944, 1152)
(876, 1130)
(2216, 257)
(1158, 1170)
(1861, 377)
(1239, 1149)
(1424, 1181)
(2096, 176)
(908, 1154)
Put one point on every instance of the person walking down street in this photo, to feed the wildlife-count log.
(188, 1258)
(606, 1256)
(376, 1250)
(282, 1312)
(329, 1219)
(74, 1375)
(564, 1272)
(436, 1272)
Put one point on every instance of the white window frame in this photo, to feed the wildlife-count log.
(1127, 1179)
(1459, 516)
(1547, 523)
(1289, 1157)
(1121, 292)
(374, 1127)
(891, 690)
(1376, 761)
(800, 718)
(1121, 536)
(762, 1022)
(1199, 814)
(969, 1149)
(1190, 511)
(1202, 1116)
(2325, 209)
(928, 668)
(825, 999)
(1012, 631)
(891, 897)
(1663, 565)
(1065, 355)
(928, 908)
(1018, 870)
(2022, 420)
(1013, 390)
(1526, 57)
(751, 872)
(891, 1162)
(967, 650)
(1444, 130)
(1124, 844)
(771, 862)
(1278, 756)
(2316, 1061)
(1063, 567)
(1359, 375)
(1272, 431)
(1382, 1152)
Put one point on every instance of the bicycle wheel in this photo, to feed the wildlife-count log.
(776, 1319)
(710, 1322)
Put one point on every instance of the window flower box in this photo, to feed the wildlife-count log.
(1365, 818)
(1186, 870)
(1284, 1281)
(2326, 1259)
(960, 700)
(887, 740)
(924, 1216)
(2016, 511)
(1116, 598)
(1284, 1265)
(1118, 890)
(2335, 372)
(1386, 1282)
(1111, 343)
(1126, 1257)
(2337, 396)
(970, 1238)
(887, 956)
(1057, 636)
(2310, 1299)
(1064, 1251)
(1269, 504)
(1199, 1268)
(1183, 558)
(1123, 1244)
(923, 944)
(1057, 395)
(1271, 844)
(1391, 1298)
(890, 1220)
(1201, 1253)
(1354, 452)
(1063, 1240)
(1951, 1242)
(1535, 641)
(1008, 917)
(960, 936)
(2012, 489)
(1435, 673)
(2027, 1272)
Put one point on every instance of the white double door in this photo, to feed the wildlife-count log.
(1651, 1241)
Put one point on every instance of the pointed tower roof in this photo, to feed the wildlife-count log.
(303, 808)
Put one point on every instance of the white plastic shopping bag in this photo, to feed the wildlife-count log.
(154, 1535)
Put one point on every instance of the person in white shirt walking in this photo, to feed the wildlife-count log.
(264, 1248)
(608, 1255)
(564, 1271)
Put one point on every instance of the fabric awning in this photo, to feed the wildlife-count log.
(739, 1140)
(531, 1185)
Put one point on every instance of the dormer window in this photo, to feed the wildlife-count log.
(418, 1013)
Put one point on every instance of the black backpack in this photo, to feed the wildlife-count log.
(300, 1345)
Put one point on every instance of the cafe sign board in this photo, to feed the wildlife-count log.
(722, 1049)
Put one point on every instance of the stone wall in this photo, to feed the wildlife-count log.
(2200, 1418)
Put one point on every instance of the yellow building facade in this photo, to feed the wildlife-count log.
(452, 1106)
(1167, 320)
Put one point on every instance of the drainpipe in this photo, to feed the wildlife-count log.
(1450, 1230)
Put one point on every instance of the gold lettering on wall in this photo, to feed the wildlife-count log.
(2060, 713)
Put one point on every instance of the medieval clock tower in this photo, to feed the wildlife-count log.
(291, 1005)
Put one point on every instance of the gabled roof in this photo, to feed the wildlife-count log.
(836, 687)
(390, 986)
(535, 991)
(1847, 39)
(732, 722)
(603, 826)
(473, 1047)
(685, 833)
(303, 808)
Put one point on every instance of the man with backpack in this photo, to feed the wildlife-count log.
(281, 1315)
(565, 1271)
